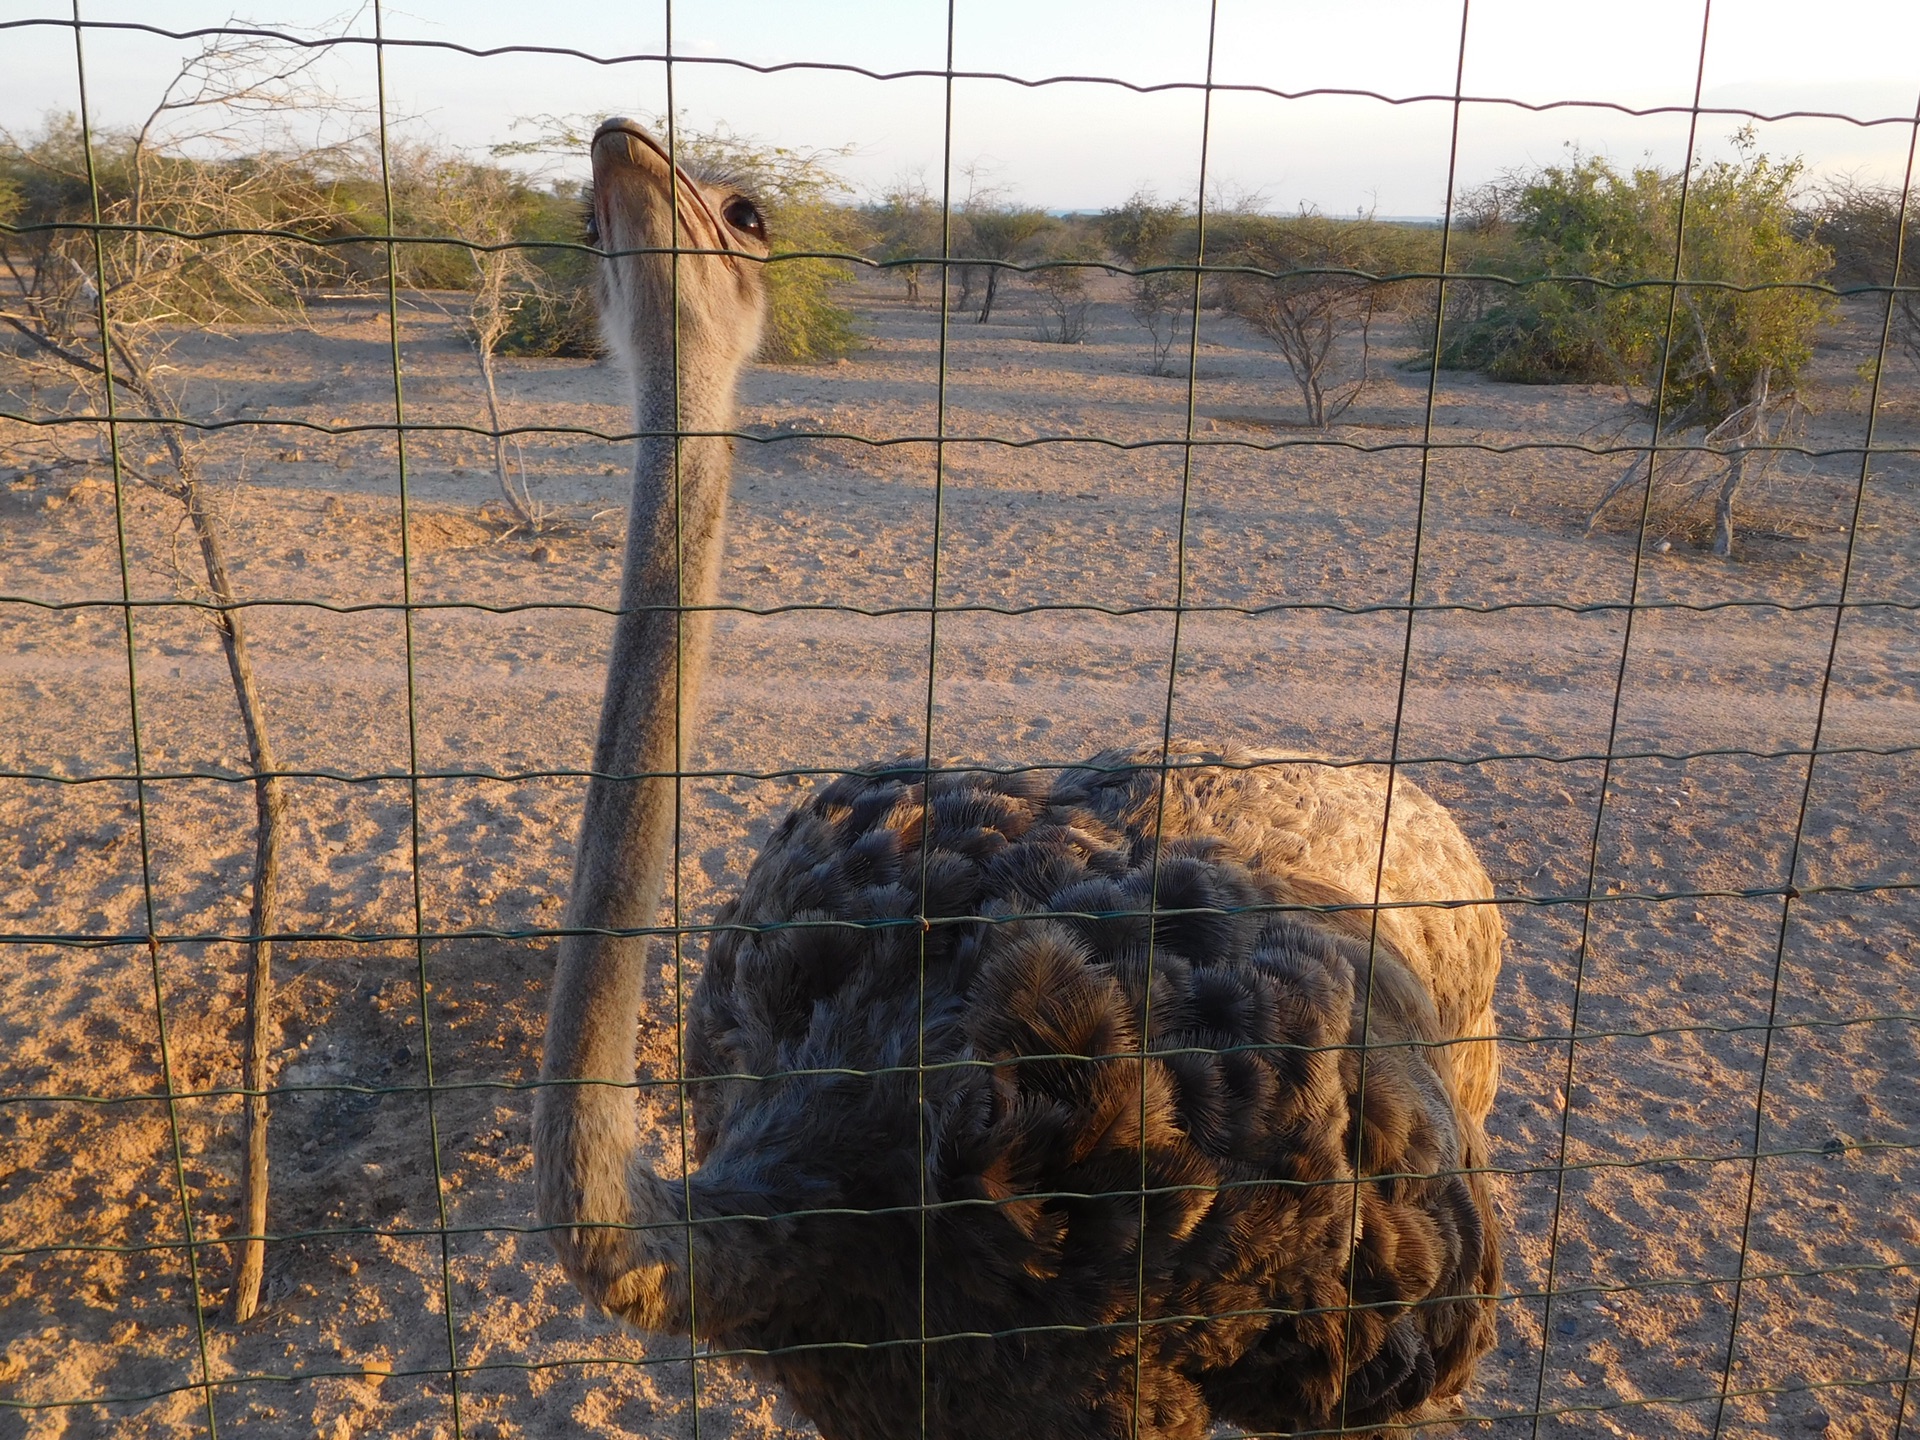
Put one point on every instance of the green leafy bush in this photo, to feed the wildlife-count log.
(1738, 322)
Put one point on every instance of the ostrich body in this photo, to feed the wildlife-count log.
(961, 1139)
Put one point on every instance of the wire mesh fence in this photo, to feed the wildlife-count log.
(1690, 777)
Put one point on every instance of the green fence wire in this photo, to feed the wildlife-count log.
(1575, 1043)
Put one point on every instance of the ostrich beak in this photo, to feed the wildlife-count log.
(627, 158)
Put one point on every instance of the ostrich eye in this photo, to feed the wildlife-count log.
(743, 215)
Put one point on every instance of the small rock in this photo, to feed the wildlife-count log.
(1664, 546)
(1567, 1325)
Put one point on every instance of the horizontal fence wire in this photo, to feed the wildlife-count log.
(667, 60)
(1573, 1152)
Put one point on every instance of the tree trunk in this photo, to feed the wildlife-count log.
(1723, 508)
(521, 507)
(269, 829)
(993, 288)
(1752, 432)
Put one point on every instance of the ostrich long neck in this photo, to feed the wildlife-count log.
(659, 656)
(586, 1146)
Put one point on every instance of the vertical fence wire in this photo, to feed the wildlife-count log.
(189, 1240)
(444, 1230)
(422, 984)
(1791, 875)
(1583, 952)
(674, 879)
(1164, 776)
(921, 1138)
(1406, 674)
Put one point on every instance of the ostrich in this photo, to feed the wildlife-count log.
(1153, 1121)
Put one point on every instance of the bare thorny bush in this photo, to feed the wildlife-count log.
(1061, 284)
(118, 241)
(440, 193)
(1305, 317)
(1712, 462)
(1309, 285)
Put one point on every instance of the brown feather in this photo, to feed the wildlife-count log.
(1264, 1306)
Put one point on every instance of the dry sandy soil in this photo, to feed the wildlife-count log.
(379, 1322)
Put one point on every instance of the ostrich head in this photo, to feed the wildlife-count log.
(642, 201)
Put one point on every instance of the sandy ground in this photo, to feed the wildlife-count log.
(111, 1324)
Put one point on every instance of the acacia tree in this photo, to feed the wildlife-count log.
(906, 221)
(1002, 233)
(1316, 305)
(121, 238)
(1144, 232)
(1744, 306)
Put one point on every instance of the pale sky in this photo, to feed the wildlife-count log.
(1079, 145)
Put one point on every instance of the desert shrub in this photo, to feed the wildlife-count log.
(557, 317)
(497, 278)
(905, 224)
(1861, 224)
(1001, 232)
(555, 324)
(1324, 296)
(1163, 304)
(1144, 230)
(143, 182)
(1142, 233)
(1588, 219)
(1062, 288)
